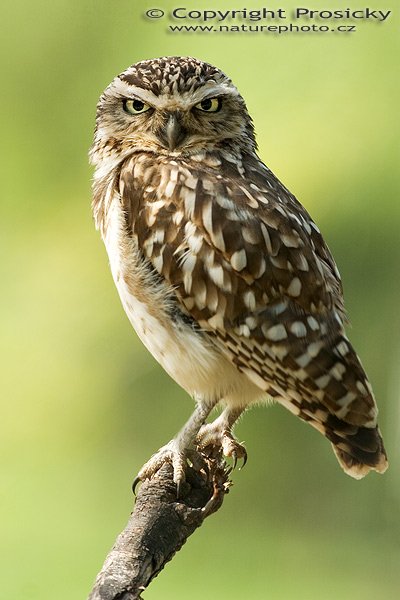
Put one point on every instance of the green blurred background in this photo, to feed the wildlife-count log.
(84, 404)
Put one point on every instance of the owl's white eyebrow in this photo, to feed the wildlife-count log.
(214, 95)
(184, 100)
(144, 95)
(217, 91)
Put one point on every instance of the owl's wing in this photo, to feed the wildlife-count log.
(230, 245)
(250, 267)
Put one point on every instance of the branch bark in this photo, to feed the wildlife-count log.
(158, 527)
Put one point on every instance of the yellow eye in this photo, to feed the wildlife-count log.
(210, 105)
(135, 107)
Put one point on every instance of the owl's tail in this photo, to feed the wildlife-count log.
(338, 401)
(358, 449)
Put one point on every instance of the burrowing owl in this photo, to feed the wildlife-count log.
(222, 273)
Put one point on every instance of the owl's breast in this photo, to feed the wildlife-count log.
(185, 353)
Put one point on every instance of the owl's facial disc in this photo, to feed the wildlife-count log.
(173, 105)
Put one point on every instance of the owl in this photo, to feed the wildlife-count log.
(221, 271)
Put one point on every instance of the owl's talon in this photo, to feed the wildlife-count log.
(135, 483)
(235, 459)
(244, 457)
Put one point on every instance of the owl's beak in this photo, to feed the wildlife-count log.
(173, 133)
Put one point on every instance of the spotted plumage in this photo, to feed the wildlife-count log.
(223, 274)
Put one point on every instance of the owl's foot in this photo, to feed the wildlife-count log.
(178, 457)
(180, 450)
(216, 437)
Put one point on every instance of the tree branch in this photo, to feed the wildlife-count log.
(158, 527)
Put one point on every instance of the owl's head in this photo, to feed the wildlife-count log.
(171, 106)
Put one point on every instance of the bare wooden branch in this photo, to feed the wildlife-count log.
(158, 527)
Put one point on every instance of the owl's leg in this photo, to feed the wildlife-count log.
(180, 448)
(218, 435)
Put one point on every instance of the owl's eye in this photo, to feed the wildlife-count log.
(210, 105)
(135, 107)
